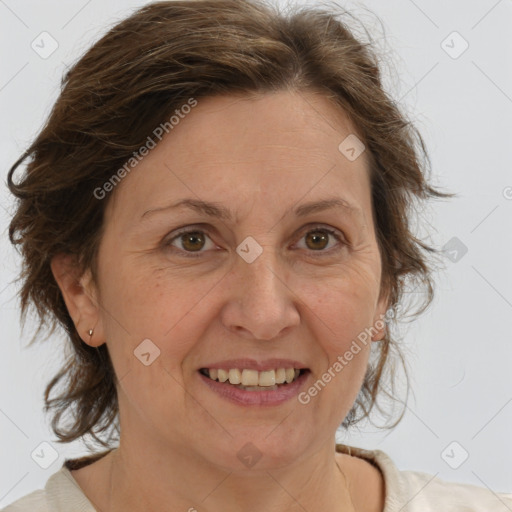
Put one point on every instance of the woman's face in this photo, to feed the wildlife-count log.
(258, 283)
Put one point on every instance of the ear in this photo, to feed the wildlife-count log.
(80, 296)
(379, 324)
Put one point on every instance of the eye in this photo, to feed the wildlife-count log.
(317, 239)
(190, 242)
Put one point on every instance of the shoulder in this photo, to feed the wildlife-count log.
(61, 494)
(427, 492)
(33, 502)
(414, 491)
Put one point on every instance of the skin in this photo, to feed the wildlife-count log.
(304, 300)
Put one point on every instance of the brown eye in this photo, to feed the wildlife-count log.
(193, 240)
(194, 243)
(317, 240)
(190, 243)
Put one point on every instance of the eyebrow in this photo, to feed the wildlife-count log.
(216, 210)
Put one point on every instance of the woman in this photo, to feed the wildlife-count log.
(217, 214)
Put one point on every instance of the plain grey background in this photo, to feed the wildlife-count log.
(450, 69)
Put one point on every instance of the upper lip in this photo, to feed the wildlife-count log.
(253, 364)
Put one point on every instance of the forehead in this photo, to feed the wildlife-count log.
(267, 148)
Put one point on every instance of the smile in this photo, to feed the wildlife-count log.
(253, 380)
(251, 387)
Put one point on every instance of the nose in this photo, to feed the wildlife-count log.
(261, 302)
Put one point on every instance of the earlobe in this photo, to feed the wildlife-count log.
(79, 294)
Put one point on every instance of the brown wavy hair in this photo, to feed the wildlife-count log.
(131, 81)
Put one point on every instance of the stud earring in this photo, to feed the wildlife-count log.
(90, 333)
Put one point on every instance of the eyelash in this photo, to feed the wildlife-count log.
(189, 254)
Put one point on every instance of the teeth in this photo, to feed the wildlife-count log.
(280, 376)
(267, 378)
(235, 376)
(258, 388)
(249, 378)
(253, 380)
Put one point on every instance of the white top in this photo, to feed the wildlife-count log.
(406, 491)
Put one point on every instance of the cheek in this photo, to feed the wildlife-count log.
(343, 315)
(344, 306)
(150, 304)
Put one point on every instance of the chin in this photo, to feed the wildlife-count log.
(258, 450)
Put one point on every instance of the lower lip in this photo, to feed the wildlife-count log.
(244, 397)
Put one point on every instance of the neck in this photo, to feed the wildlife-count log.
(142, 479)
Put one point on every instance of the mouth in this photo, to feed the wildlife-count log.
(251, 383)
(249, 379)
